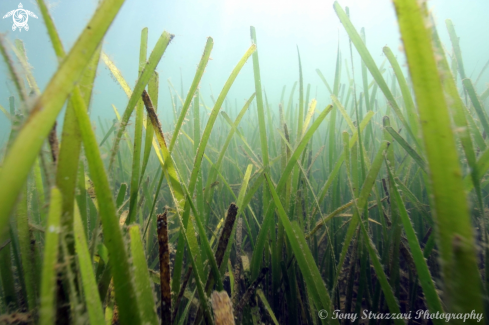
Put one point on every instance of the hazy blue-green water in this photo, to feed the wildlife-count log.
(281, 26)
(283, 29)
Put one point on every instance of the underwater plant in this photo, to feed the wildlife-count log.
(371, 207)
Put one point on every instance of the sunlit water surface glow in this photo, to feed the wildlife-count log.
(281, 26)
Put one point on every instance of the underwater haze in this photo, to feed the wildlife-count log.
(310, 25)
(244, 162)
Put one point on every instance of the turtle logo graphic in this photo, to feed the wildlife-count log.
(20, 17)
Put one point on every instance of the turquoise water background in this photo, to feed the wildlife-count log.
(281, 26)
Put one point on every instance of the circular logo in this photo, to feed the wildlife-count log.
(323, 314)
(20, 17)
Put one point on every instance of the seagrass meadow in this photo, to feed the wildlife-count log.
(369, 208)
